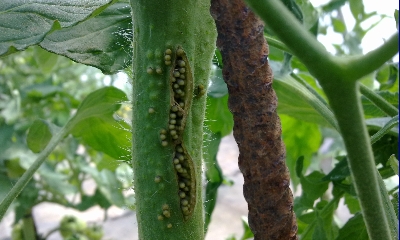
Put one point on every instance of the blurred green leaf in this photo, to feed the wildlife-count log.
(107, 184)
(248, 234)
(103, 41)
(394, 163)
(39, 135)
(217, 87)
(352, 203)
(57, 182)
(218, 117)
(301, 139)
(23, 24)
(214, 176)
(310, 14)
(357, 9)
(45, 60)
(371, 111)
(396, 18)
(338, 25)
(340, 172)
(333, 5)
(387, 76)
(354, 229)
(313, 186)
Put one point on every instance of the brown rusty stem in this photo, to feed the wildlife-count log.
(257, 127)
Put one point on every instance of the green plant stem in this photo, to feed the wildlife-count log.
(24, 179)
(379, 101)
(312, 53)
(158, 26)
(278, 44)
(345, 102)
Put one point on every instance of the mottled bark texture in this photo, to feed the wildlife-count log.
(257, 128)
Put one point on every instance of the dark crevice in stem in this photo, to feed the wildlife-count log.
(257, 127)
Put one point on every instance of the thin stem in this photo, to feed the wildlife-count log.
(24, 179)
(359, 66)
(304, 45)
(278, 44)
(379, 101)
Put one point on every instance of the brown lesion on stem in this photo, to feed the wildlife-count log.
(257, 127)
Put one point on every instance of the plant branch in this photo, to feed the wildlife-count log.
(379, 101)
(312, 53)
(278, 44)
(24, 179)
(345, 102)
(358, 66)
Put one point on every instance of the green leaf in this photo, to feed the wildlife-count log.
(218, 117)
(107, 184)
(371, 111)
(103, 41)
(313, 186)
(218, 87)
(387, 125)
(214, 176)
(394, 163)
(5, 184)
(23, 23)
(301, 139)
(395, 203)
(396, 18)
(354, 229)
(39, 135)
(357, 9)
(45, 60)
(333, 5)
(57, 182)
(95, 125)
(340, 172)
(352, 203)
(248, 234)
(298, 102)
(310, 14)
(338, 25)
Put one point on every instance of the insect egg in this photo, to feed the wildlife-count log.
(177, 74)
(182, 194)
(173, 79)
(182, 104)
(168, 51)
(176, 161)
(181, 63)
(179, 52)
(172, 121)
(182, 185)
(169, 225)
(167, 57)
(172, 115)
(184, 202)
(166, 213)
(150, 70)
(157, 179)
(182, 70)
(174, 109)
(163, 137)
(163, 131)
(171, 126)
(167, 63)
(182, 76)
(158, 70)
(160, 218)
(180, 82)
(151, 110)
(165, 206)
(164, 143)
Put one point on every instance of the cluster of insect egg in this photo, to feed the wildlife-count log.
(176, 127)
(183, 170)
